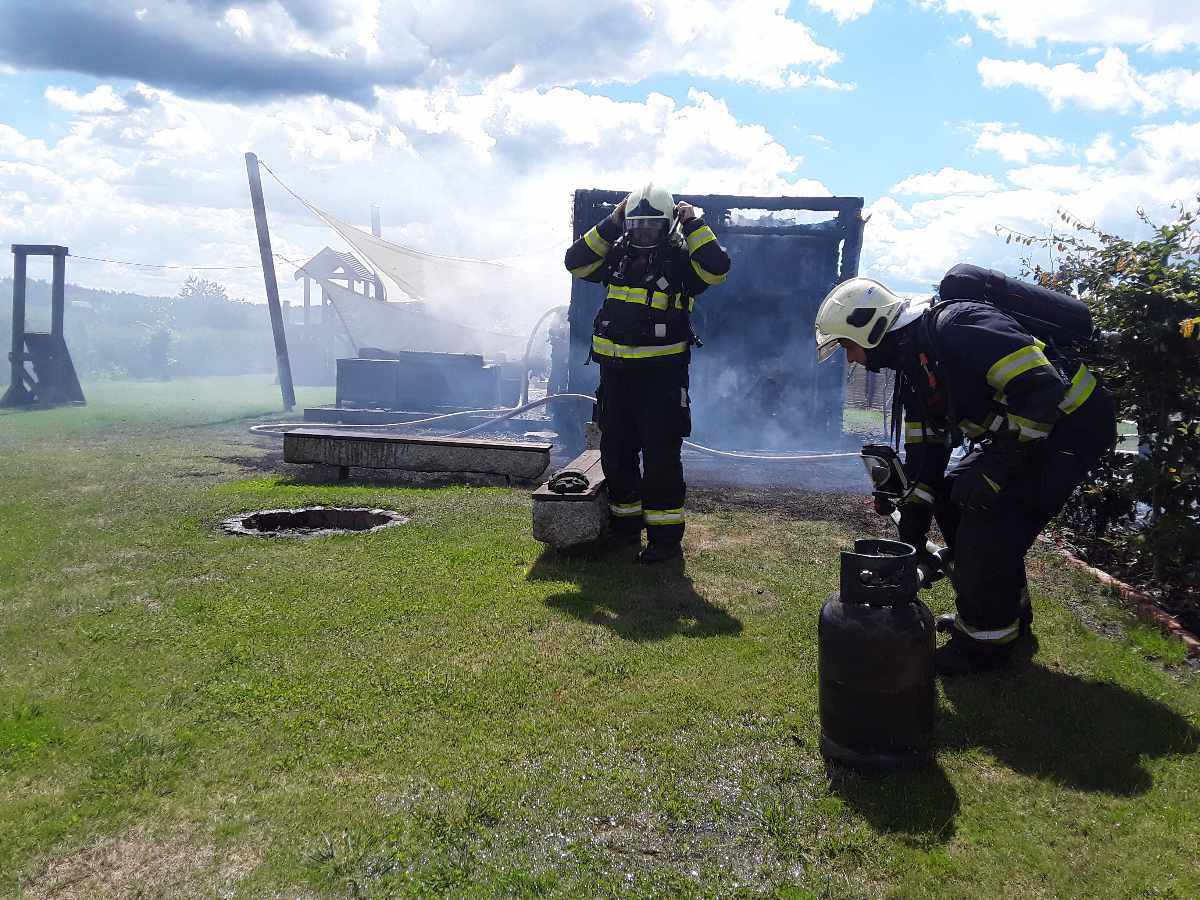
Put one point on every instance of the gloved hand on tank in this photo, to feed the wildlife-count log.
(983, 475)
(914, 524)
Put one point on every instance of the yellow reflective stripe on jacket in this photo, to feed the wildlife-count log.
(1006, 368)
(974, 430)
(1190, 328)
(699, 238)
(605, 347)
(1028, 429)
(1005, 635)
(596, 244)
(585, 271)
(920, 493)
(1082, 385)
(971, 429)
(919, 433)
(658, 299)
(626, 509)
(706, 276)
(664, 516)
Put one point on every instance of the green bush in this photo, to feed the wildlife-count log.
(1144, 294)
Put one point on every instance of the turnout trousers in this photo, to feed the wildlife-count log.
(989, 545)
(644, 414)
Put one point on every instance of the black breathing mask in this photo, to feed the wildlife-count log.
(885, 471)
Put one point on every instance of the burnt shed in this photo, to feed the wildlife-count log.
(755, 382)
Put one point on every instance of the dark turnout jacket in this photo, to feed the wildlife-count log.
(993, 379)
(646, 313)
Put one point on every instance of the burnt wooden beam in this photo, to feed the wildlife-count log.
(282, 363)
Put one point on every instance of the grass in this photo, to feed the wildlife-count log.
(441, 708)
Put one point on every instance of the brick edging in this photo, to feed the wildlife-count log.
(1137, 602)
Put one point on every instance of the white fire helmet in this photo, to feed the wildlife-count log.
(649, 214)
(862, 310)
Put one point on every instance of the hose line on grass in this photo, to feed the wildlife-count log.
(501, 415)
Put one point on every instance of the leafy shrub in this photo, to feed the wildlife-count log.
(1144, 294)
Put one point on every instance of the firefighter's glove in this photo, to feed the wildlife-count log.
(883, 504)
(914, 525)
(979, 481)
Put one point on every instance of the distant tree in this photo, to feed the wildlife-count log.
(201, 289)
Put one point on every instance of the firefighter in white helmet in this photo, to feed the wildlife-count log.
(653, 256)
(1037, 420)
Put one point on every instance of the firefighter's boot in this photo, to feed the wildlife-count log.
(659, 552)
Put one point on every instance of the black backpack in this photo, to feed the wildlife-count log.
(1054, 317)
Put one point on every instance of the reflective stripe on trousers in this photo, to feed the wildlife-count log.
(605, 347)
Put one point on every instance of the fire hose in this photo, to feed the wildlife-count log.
(499, 415)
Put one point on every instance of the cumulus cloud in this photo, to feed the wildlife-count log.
(1015, 145)
(947, 181)
(911, 244)
(1161, 25)
(844, 10)
(347, 48)
(487, 174)
(101, 100)
(1113, 84)
(1101, 150)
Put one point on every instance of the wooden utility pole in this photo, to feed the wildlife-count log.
(282, 362)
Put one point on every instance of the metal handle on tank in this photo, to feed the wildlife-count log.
(879, 572)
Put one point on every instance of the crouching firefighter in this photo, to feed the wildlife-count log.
(996, 361)
(654, 258)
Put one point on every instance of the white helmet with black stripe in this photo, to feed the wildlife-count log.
(862, 310)
(649, 214)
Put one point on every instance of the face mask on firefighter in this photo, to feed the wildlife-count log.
(645, 234)
(885, 470)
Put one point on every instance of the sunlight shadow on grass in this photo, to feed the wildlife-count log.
(920, 805)
(1083, 734)
(637, 602)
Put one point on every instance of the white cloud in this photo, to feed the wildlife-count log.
(844, 10)
(101, 100)
(487, 174)
(1101, 150)
(1161, 25)
(964, 40)
(1111, 85)
(239, 22)
(1015, 146)
(947, 181)
(346, 48)
(1065, 179)
(752, 41)
(911, 245)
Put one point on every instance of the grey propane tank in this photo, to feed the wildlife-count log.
(875, 662)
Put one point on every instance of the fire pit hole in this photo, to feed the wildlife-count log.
(312, 521)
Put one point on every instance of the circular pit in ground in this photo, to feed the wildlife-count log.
(312, 521)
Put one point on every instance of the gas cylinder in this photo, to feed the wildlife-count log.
(875, 662)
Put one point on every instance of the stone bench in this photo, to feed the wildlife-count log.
(347, 449)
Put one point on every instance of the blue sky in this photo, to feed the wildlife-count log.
(122, 126)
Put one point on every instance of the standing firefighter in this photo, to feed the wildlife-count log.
(654, 256)
(1037, 419)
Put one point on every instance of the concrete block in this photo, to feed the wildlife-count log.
(359, 449)
(565, 520)
(563, 525)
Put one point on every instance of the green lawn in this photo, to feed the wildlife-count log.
(441, 708)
